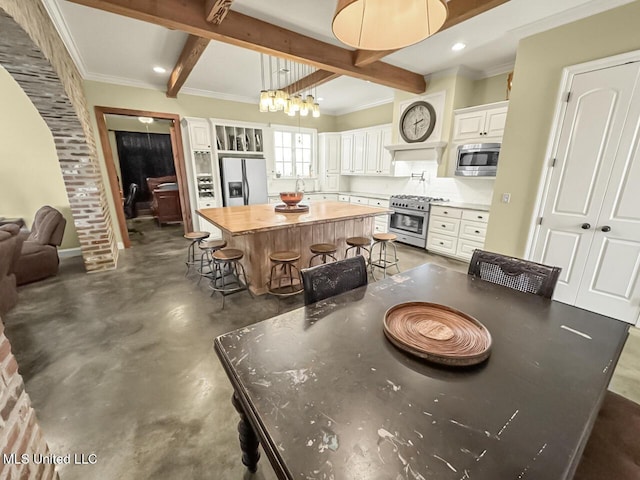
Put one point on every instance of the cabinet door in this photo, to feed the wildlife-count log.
(384, 165)
(332, 154)
(199, 136)
(332, 182)
(359, 149)
(494, 124)
(346, 153)
(372, 158)
(468, 126)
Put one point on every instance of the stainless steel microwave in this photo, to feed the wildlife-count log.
(477, 160)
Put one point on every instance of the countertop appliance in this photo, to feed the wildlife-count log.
(244, 181)
(410, 218)
(478, 160)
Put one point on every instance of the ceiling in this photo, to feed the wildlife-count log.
(115, 49)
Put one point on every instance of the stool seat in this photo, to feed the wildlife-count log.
(384, 237)
(323, 248)
(212, 244)
(284, 256)
(358, 241)
(228, 254)
(196, 235)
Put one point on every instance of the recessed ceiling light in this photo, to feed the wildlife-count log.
(458, 46)
(320, 99)
(159, 70)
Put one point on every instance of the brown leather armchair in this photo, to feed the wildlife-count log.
(10, 246)
(39, 254)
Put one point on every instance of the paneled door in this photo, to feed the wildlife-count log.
(591, 220)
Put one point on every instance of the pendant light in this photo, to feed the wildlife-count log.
(387, 25)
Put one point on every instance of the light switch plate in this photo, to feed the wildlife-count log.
(506, 197)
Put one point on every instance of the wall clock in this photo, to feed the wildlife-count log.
(417, 122)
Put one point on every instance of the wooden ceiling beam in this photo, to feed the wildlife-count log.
(316, 78)
(248, 32)
(193, 49)
(216, 10)
(459, 11)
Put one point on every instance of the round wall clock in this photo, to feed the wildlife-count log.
(417, 122)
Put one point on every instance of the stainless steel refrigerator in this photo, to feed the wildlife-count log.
(244, 181)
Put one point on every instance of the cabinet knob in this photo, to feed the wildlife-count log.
(606, 228)
(480, 217)
(441, 243)
(477, 231)
(444, 226)
(585, 226)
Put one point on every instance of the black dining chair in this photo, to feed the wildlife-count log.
(329, 279)
(512, 272)
(613, 450)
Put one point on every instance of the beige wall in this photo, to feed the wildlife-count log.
(369, 117)
(30, 174)
(537, 76)
(489, 90)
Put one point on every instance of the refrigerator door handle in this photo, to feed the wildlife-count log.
(245, 183)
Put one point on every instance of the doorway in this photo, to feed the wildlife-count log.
(590, 224)
(178, 204)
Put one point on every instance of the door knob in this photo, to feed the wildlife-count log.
(606, 228)
(585, 226)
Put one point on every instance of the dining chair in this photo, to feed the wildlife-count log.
(613, 450)
(329, 279)
(512, 272)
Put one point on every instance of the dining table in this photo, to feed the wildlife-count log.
(328, 396)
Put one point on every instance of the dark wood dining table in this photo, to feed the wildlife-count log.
(329, 397)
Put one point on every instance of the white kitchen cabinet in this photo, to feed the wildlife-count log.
(346, 153)
(238, 137)
(372, 157)
(359, 200)
(456, 232)
(482, 123)
(386, 158)
(331, 183)
(329, 154)
(381, 222)
(359, 150)
(199, 134)
(343, 198)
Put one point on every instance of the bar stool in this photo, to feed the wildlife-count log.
(359, 244)
(284, 279)
(323, 250)
(207, 247)
(195, 237)
(228, 273)
(383, 241)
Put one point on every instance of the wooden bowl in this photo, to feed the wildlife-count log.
(291, 199)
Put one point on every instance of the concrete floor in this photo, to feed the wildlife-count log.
(121, 363)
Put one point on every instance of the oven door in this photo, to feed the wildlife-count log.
(410, 226)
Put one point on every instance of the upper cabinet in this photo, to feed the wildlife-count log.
(480, 124)
(239, 138)
(329, 155)
(199, 134)
(363, 151)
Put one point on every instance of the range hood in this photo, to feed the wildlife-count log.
(411, 152)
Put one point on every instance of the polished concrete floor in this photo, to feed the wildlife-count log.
(121, 364)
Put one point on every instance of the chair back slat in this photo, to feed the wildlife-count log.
(515, 273)
(326, 280)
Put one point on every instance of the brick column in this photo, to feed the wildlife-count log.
(33, 53)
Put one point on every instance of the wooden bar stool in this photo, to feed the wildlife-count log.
(383, 262)
(195, 237)
(324, 251)
(228, 273)
(207, 247)
(284, 279)
(358, 244)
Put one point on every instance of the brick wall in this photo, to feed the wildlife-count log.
(33, 53)
(19, 430)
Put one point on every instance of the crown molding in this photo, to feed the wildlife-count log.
(219, 95)
(55, 14)
(498, 69)
(357, 108)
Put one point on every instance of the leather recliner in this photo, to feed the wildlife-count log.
(39, 254)
(10, 247)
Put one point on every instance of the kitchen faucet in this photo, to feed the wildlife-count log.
(299, 184)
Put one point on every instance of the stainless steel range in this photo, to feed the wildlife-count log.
(410, 218)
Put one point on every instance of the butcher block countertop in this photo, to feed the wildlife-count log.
(248, 219)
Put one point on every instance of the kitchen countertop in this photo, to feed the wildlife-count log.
(466, 206)
(248, 219)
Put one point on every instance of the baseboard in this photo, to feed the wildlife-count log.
(70, 252)
(120, 246)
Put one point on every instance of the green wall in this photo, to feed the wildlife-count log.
(539, 63)
(369, 117)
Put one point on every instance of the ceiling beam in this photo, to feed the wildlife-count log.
(459, 11)
(316, 78)
(248, 32)
(193, 49)
(216, 10)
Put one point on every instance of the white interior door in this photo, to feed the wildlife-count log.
(593, 138)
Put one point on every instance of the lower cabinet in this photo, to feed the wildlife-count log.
(456, 232)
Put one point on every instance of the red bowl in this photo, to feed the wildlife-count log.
(291, 198)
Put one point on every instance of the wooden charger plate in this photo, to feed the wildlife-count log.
(437, 333)
(282, 208)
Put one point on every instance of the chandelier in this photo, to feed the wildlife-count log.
(275, 98)
(387, 25)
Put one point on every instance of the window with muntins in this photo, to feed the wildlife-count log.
(294, 153)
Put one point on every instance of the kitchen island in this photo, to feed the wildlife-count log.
(259, 230)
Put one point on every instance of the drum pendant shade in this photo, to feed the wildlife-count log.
(386, 24)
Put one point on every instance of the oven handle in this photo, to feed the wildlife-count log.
(405, 211)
